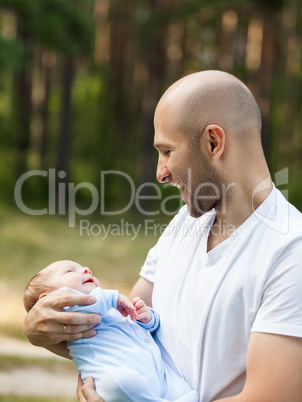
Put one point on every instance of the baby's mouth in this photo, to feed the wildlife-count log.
(90, 280)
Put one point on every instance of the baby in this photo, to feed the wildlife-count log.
(123, 358)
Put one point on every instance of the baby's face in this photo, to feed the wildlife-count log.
(72, 275)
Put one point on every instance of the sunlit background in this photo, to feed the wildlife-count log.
(79, 84)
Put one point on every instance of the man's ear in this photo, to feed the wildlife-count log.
(42, 295)
(213, 141)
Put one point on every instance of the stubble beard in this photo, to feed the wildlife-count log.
(204, 188)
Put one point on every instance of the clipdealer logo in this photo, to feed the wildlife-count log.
(61, 193)
(58, 193)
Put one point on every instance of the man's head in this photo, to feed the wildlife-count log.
(207, 127)
(56, 275)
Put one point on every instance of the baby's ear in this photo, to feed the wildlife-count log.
(42, 295)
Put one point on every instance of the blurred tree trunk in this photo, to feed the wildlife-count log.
(22, 102)
(121, 66)
(228, 28)
(64, 140)
(155, 56)
(176, 48)
(42, 140)
(269, 57)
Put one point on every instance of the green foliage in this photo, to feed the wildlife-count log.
(270, 4)
(11, 55)
(57, 24)
(113, 99)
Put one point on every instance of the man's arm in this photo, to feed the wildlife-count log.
(273, 368)
(143, 289)
(44, 323)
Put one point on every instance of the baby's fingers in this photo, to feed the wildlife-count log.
(144, 316)
(132, 312)
(127, 306)
(135, 300)
(138, 303)
(133, 316)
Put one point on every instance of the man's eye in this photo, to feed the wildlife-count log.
(166, 153)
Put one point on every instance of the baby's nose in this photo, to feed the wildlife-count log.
(86, 271)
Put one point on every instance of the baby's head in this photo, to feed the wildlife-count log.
(56, 275)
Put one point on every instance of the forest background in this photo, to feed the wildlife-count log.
(79, 82)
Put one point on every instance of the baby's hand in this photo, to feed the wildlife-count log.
(125, 307)
(144, 313)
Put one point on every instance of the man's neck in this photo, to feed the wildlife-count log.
(241, 205)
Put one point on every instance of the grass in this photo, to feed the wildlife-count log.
(8, 363)
(37, 366)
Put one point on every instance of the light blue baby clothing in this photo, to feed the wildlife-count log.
(124, 359)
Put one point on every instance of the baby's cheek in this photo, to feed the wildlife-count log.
(97, 283)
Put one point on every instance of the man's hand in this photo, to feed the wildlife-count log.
(143, 312)
(86, 392)
(47, 325)
(126, 307)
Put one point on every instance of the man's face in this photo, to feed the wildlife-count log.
(73, 275)
(184, 165)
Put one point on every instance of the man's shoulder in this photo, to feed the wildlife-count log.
(291, 219)
(279, 219)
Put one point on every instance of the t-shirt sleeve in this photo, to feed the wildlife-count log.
(149, 267)
(281, 308)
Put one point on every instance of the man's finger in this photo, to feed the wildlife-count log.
(80, 395)
(64, 298)
(67, 329)
(73, 337)
(89, 392)
(82, 320)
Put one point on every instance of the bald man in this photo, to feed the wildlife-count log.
(226, 276)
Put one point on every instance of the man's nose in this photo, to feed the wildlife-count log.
(86, 271)
(162, 172)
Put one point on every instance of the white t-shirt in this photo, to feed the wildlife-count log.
(210, 302)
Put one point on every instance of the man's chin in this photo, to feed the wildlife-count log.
(195, 213)
(198, 211)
